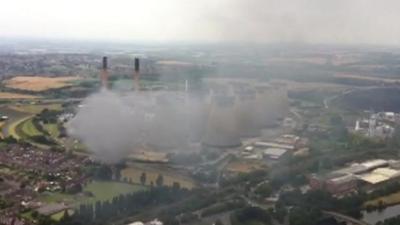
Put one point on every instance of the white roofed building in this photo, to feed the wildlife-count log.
(275, 153)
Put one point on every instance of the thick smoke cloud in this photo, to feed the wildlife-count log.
(113, 125)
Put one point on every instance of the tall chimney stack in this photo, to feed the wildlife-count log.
(136, 75)
(104, 73)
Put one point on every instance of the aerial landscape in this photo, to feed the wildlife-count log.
(259, 113)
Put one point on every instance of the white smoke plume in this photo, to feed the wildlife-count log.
(112, 125)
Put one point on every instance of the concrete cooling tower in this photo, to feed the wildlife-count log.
(169, 127)
(221, 129)
(281, 102)
(245, 113)
(266, 111)
(197, 113)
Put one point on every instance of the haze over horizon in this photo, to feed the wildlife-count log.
(254, 21)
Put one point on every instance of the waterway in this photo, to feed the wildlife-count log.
(376, 216)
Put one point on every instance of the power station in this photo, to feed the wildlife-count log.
(221, 118)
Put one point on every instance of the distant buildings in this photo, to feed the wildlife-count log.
(276, 149)
(378, 125)
(367, 175)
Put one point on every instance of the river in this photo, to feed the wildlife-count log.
(376, 216)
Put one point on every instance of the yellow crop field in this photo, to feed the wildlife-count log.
(9, 95)
(38, 83)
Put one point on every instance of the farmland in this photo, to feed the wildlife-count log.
(38, 83)
(35, 109)
(27, 129)
(106, 190)
(101, 190)
(12, 96)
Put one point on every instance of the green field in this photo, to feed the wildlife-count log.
(52, 128)
(102, 191)
(106, 190)
(35, 109)
(28, 129)
(12, 130)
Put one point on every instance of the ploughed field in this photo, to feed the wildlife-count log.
(39, 83)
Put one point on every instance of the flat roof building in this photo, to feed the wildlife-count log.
(275, 153)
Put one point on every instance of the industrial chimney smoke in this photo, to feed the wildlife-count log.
(104, 73)
(136, 74)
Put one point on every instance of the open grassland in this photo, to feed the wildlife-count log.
(12, 96)
(12, 129)
(35, 109)
(392, 199)
(53, 130)
(133, 173)
(106, 190)
(39, 83)
(27, 129)
(101, 190)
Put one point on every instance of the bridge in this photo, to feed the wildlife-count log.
(343, 218)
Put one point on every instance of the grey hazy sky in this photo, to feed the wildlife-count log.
(309, 21)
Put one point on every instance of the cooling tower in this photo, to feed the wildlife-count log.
(281, 102)
(245, 113)
(169, 128)
(266, 107)
(197, 110)
(221, 129)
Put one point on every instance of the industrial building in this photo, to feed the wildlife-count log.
(275, 153)
(369, 175)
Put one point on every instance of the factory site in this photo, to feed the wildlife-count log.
(192, 138)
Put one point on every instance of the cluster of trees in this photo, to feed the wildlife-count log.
(390, 221)
(226, 206)
(251, 215)
(125, 205)
(48, 116)
(307, 208)
(250, 179)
